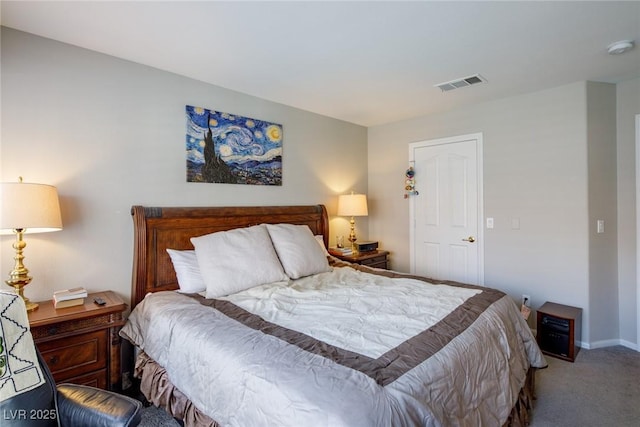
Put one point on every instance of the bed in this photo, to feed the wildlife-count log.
(324, 344)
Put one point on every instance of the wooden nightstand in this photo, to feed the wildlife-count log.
(81, 344)
(377, 259)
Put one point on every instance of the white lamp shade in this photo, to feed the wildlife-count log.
(352, 205)
(31, 207)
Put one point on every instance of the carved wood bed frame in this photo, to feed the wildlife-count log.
(159, 228)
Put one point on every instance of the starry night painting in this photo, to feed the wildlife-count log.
(231, 149)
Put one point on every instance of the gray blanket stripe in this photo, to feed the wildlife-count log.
(394, 363)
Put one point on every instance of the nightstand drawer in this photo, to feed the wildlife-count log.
(54, 331)
(378, 261)
(75, 355)
(94, 379)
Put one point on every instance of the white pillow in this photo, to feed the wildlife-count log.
(187, 271)
(298, 250)
(235, 260)
(320, 240)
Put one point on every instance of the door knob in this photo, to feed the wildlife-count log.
(469, 239)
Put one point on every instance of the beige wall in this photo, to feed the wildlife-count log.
(603, 251)
(110, 134)
(628, 106)
(535, 169)
(558, 160)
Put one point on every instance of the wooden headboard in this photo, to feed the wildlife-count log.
(158, 228)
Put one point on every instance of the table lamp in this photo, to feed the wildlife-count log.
(352, 205)
(27, 208)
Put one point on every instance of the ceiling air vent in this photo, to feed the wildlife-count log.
(463, 82)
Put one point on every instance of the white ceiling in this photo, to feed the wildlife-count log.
(365, 62)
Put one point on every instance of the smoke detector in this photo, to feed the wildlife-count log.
(463, 82)
(620, 47)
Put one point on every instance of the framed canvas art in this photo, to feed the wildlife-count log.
(231, 149)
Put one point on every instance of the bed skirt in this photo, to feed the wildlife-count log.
(157, 389)
(519, 416)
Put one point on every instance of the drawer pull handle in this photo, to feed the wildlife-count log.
(53, 330)
(53, 360)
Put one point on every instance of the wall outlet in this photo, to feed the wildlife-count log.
(526, 300)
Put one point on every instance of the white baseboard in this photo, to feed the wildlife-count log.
(603, 343)
(609, 343)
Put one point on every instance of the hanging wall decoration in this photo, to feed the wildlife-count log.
(410, 183)
(231, 149)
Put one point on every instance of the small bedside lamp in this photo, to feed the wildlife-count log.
(352, 205)
(27, 208)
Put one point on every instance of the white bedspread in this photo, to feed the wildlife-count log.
(241, 376)
(353, 317)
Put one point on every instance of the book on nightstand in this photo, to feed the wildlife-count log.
(69, 297)
(68, 303)
(341, 251)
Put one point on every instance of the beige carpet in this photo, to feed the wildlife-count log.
(602, 388)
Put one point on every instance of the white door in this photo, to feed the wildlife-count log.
(446, 215)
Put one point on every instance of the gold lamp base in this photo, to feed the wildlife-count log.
(20, 291)
(352, 236)
(19, 276)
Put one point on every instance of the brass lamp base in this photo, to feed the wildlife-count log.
(20, 291)
(19, 276)
(352, 236)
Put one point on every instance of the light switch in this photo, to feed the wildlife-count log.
(515, 223)
(489, 222)
(600, 224)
